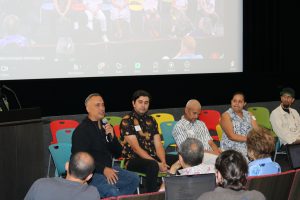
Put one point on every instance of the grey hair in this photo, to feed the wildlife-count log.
(192, 151)
(90, 96)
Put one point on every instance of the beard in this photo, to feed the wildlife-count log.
(286, 105)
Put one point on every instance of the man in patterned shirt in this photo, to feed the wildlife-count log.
(142, 147)
(190, 127)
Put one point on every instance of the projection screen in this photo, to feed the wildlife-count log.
(45, 39)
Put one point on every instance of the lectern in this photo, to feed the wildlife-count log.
(21, 151)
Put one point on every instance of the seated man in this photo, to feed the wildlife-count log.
(142, 147)
(190, 127)
(286, 120)
(96, 137)
(79, 171)
(260, 145)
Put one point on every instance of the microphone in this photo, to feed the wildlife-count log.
(108, 135)
(16, 97)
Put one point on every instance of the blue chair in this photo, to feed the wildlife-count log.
(166, 129)
(61, 153)
(65, 135)
(278, 151)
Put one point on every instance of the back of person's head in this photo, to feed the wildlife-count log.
(11, 24)
(233, 168)
(189, 43)
(191, 151)
(140, 93)
(260, 143)
(81, 165)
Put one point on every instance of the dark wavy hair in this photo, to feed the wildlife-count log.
(234, 168)
(140, 93)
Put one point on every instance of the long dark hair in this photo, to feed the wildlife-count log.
(234, 168)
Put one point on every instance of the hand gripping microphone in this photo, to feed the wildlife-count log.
(108, 135)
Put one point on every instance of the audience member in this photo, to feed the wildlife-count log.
(260, 145)
(93, 11)
(13, 36)
(191, 153)
(188, 49)
(286, 120)
(142, 147)
(152, 18)
(231, 177)
(120, 18)
(236, 123)
(96, 137)
(190, 127)
(74, 187)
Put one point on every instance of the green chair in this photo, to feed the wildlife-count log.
(114, 120)
(262, 115)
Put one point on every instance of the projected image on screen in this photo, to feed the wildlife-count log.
(94, 38)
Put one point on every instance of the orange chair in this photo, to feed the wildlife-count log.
(211, 118)
(55, 126)
(61, 124)
(117, 131)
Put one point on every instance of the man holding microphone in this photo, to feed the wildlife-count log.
(95, 136)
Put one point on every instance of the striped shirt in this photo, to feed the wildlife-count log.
(184, 129)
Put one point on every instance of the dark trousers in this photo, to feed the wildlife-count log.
(150, 168)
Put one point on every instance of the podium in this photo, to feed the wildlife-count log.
(21, 151)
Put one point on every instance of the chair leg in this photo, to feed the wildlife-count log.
(49, 161)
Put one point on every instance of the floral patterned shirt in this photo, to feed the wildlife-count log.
(198, 169)
(241, 126)
(144, 127)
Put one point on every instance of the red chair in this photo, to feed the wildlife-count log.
(57, 125)
(211, 118)
(117, 131)
(295, 192)
(273, 186)
(61, 124)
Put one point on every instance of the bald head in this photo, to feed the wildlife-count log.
(193, 103)
(81, 165)
(192, 110)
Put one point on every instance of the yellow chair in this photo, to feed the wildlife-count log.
(162, 117)
(219, 131)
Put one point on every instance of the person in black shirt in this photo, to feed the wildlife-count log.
(98, 139)
(142, 147)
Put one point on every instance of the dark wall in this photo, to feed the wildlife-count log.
(269, 35)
